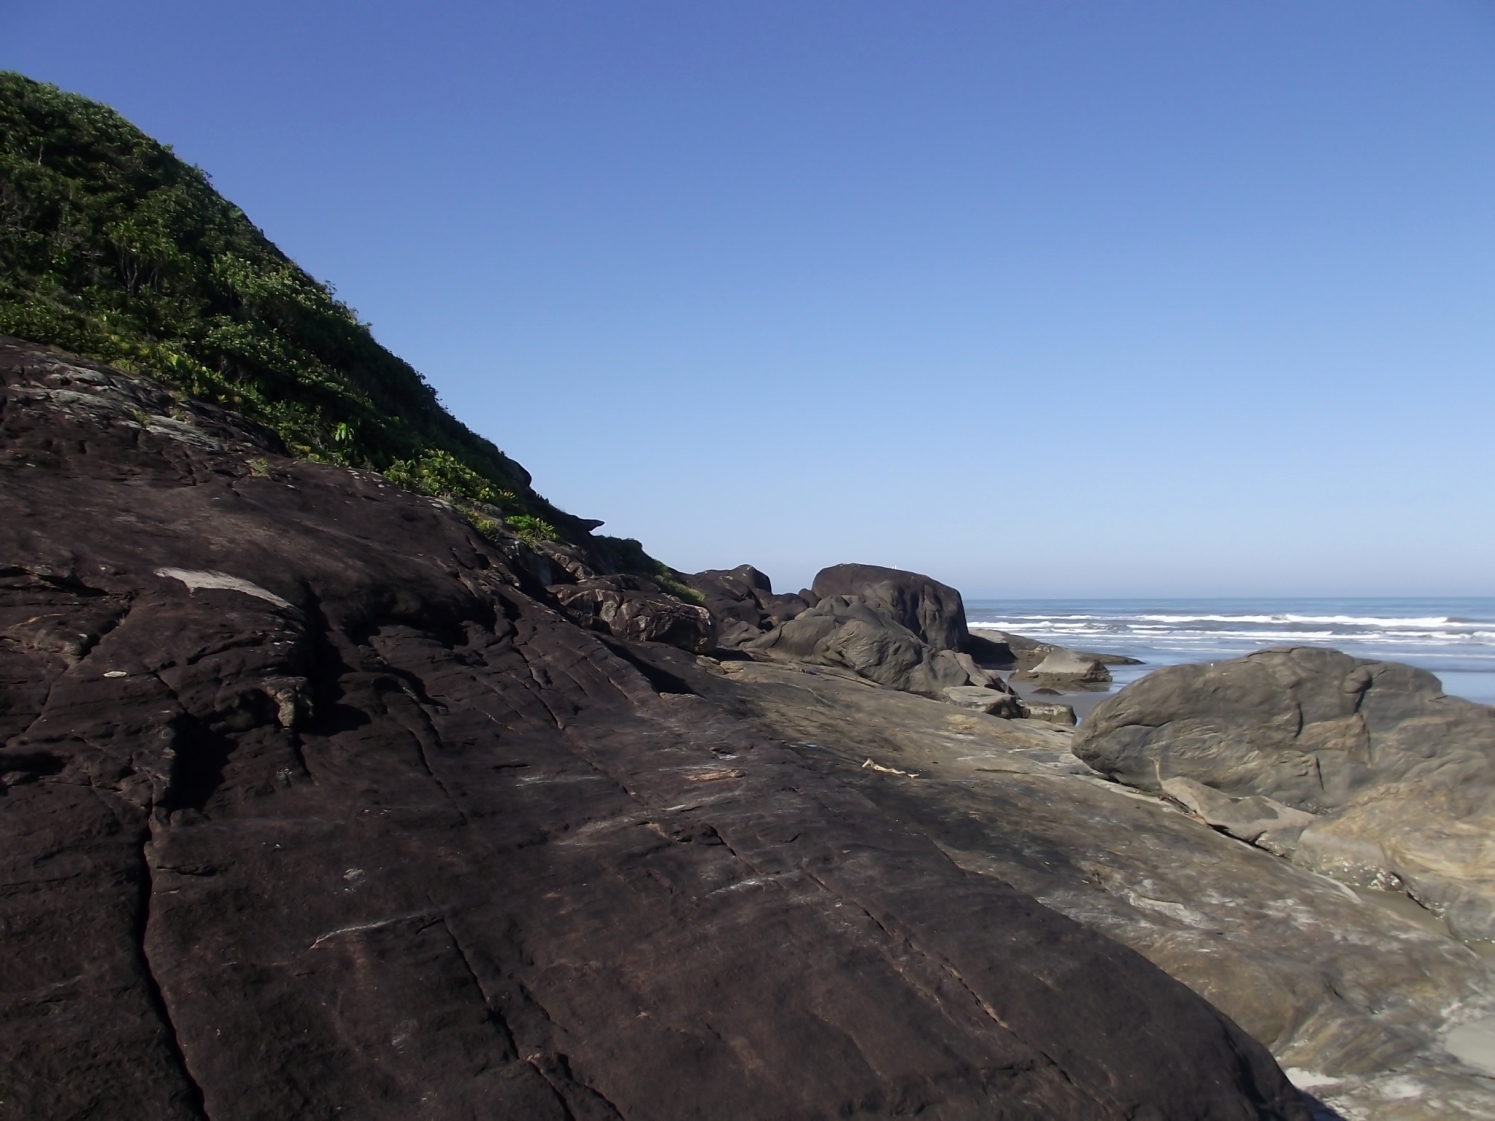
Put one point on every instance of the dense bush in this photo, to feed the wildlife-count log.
(113, 248)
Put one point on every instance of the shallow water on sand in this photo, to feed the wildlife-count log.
(1453, 638)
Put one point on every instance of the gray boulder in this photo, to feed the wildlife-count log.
(1400, 777)
(1063, 668)
(931, 610)
(864, 637)
(983, 698)
(1043, 710)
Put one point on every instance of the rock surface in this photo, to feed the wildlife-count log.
(314, 809)
(862, 636)
(632, 608)
(1253, 819)
(984, 699)
(1025, 653)
(1400, 776)
(1367, 1008)
(1044, 710)
(1062, 669)
(732, 597)
(931, 610)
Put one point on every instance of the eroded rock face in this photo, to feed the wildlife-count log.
(931, 610)
(311, 811)
(735, 599)
(743, 605)
(1401, 778)
(632, 608)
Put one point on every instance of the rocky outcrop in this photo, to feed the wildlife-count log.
(1400, 777)
(1254, 819)
(855, 634)
(1025, 653)
(743, 605)
(633, 608)
(931, 610)
(311, 810)
(1067, 669)
(1378, 1014)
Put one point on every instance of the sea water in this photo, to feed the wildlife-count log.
(1452, 638)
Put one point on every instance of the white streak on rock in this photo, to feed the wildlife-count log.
(202, 579)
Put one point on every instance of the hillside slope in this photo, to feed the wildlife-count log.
(113, 248)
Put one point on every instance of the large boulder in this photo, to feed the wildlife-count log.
(632, 608)
(1400, 777)
(862, 636)
(731, 595)
(1067, 669)
(929, 609)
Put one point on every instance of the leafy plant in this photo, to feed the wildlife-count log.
(529, 528)
(484, 525)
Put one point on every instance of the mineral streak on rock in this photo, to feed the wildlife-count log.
(398, 839)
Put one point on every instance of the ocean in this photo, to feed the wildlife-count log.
(1452, 638)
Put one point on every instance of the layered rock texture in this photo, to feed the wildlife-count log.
(1371, 1007)
(1361, 770)
(318, 804)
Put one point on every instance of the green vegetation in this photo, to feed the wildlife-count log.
(113, 248)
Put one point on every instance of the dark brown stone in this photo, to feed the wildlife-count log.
(633, 608)
(931, 610)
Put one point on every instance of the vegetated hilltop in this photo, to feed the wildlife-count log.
(113, 248)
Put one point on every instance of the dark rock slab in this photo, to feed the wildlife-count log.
(321, 815)
(988, 652)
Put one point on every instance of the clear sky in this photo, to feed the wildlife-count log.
(1039, 298)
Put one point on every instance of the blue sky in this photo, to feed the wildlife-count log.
(1040, 298)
